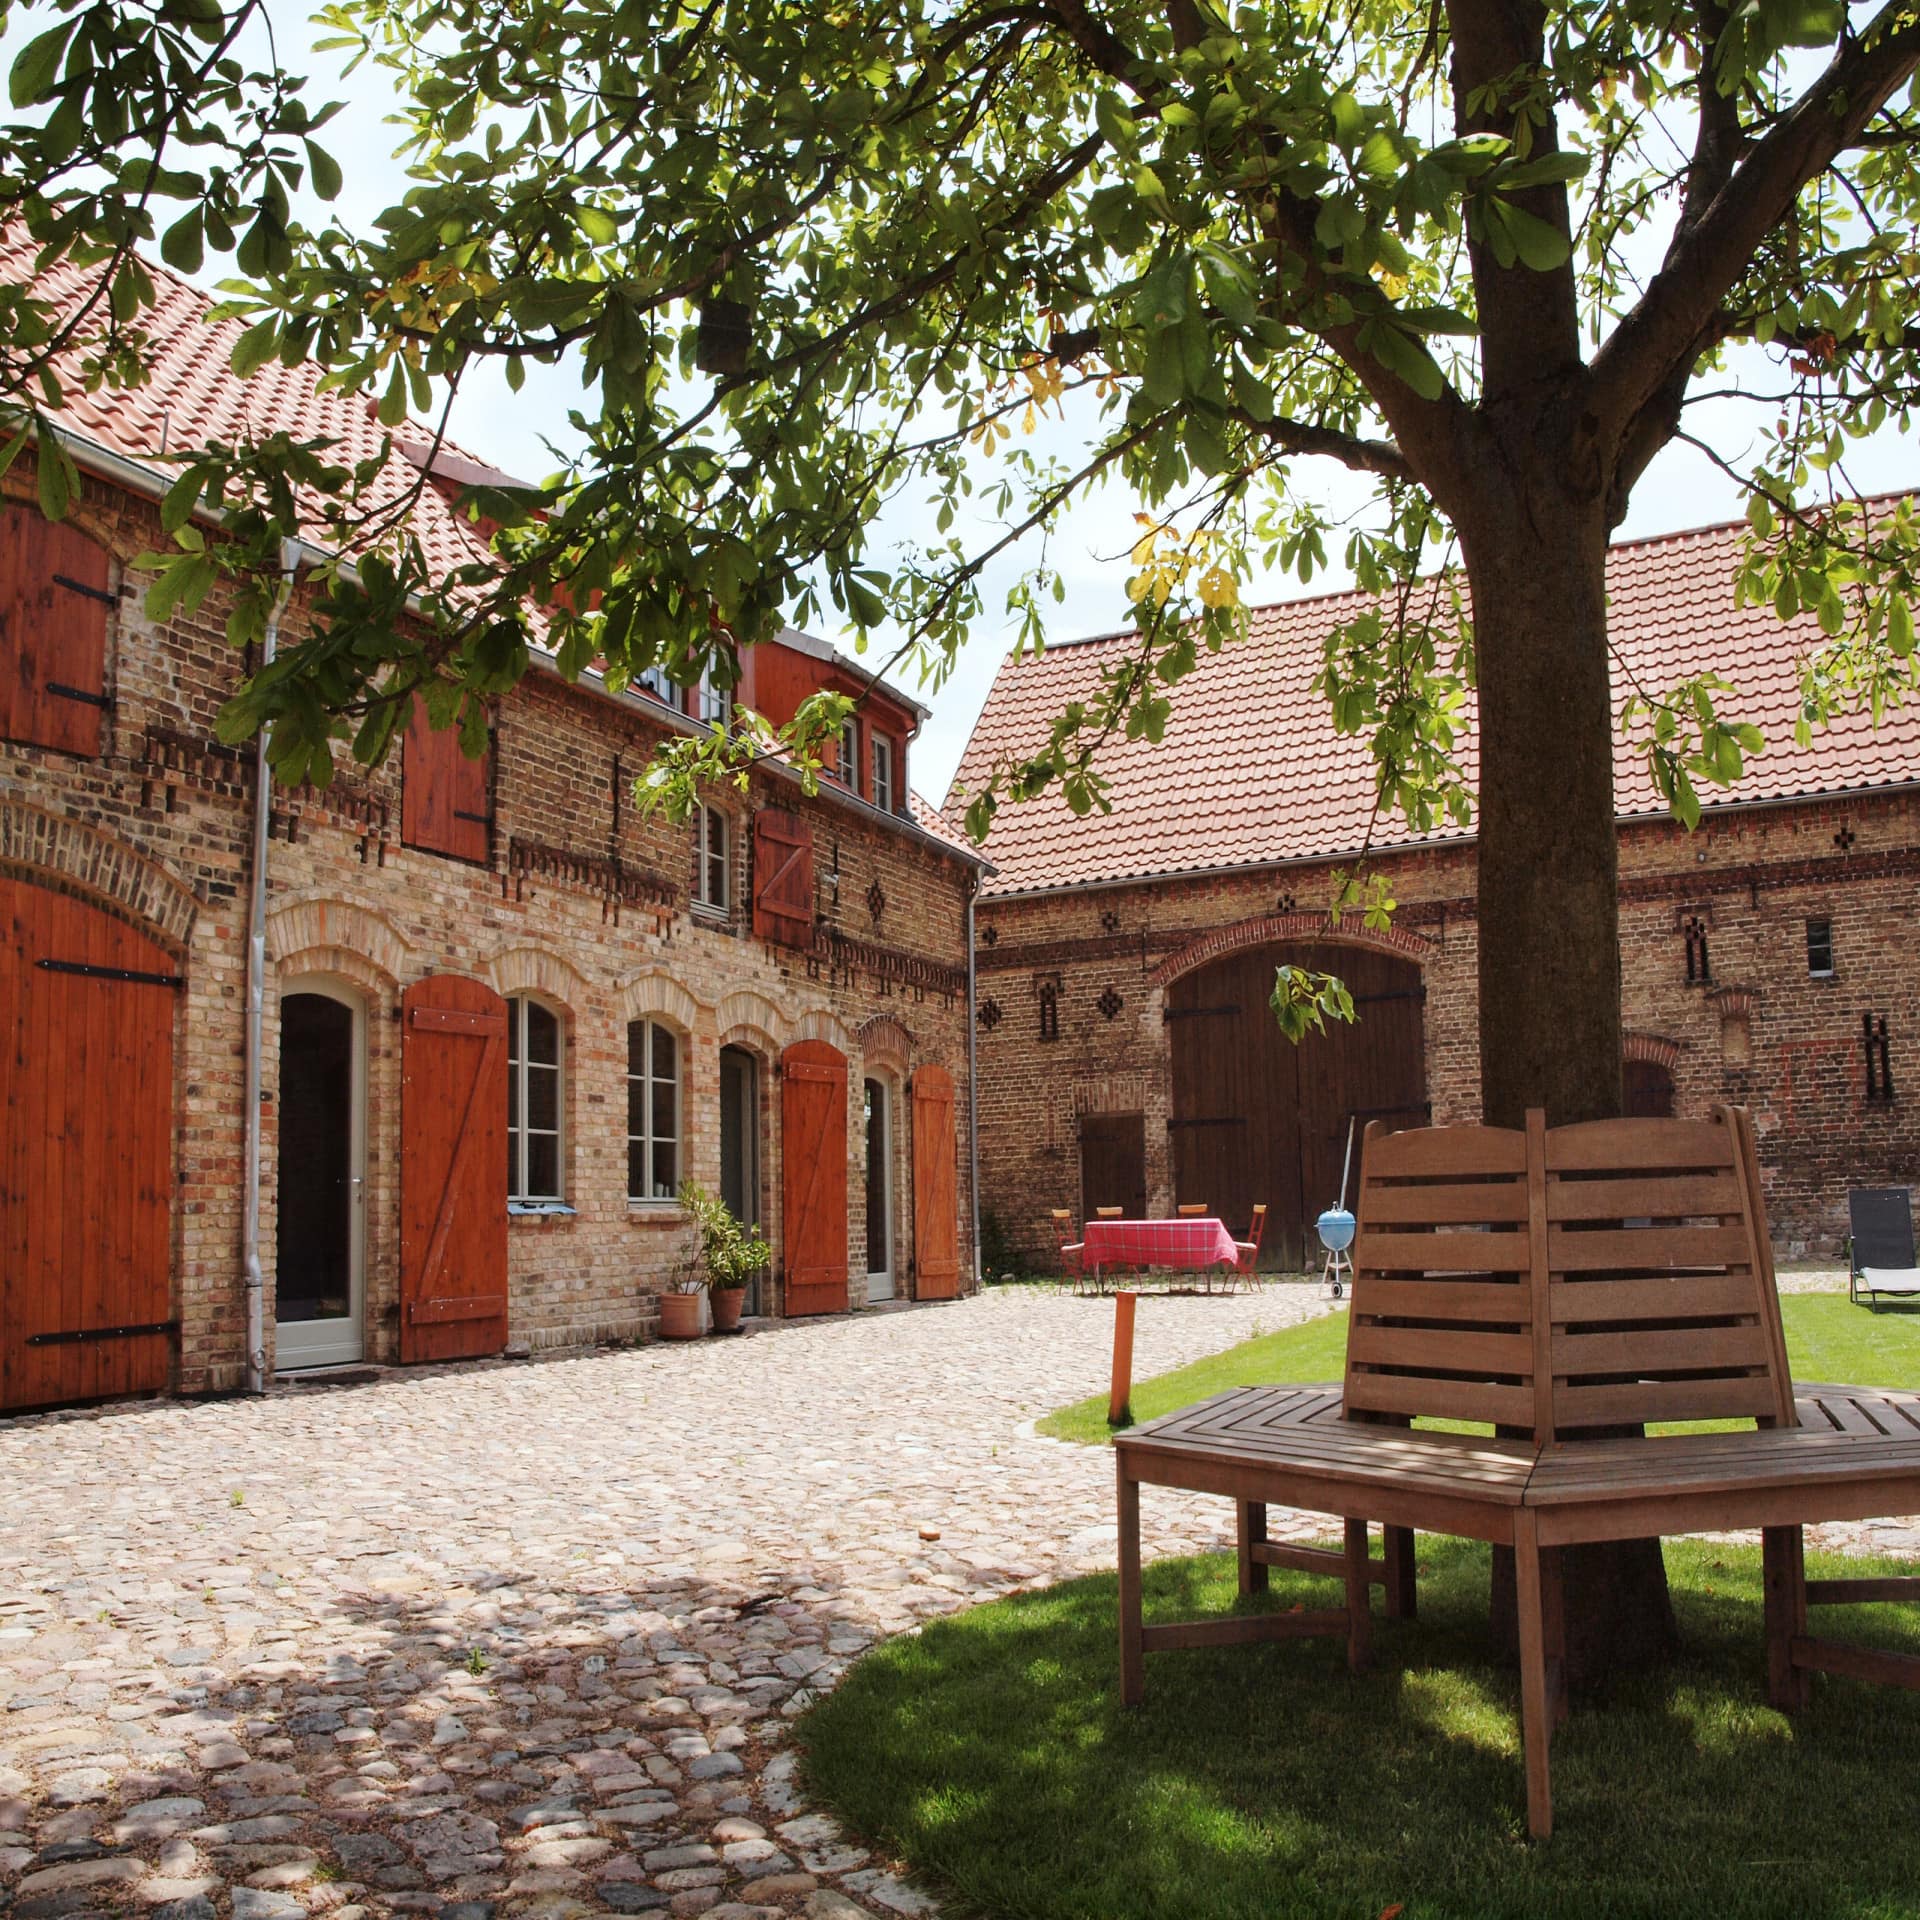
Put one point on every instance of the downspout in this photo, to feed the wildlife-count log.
(290, 552)
(973, 1085)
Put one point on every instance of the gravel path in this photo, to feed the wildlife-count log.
(525, 1639)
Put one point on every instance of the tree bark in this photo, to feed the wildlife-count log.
(1549, 953)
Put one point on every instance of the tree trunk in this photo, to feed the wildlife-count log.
(1549, 921)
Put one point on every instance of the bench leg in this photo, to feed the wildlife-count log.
(1251, 1531)
(1536, 1707)
(1133, 1677)
(1359, 1599)
(1553, 1624)
(1402, 1598)
(1783, 1557)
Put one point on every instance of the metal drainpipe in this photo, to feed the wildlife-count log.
(256, 1002)
(973, 1086)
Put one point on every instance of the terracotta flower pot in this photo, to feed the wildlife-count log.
(679, 1316)
(727, 1305)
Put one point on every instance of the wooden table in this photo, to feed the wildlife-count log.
(1186, 1245)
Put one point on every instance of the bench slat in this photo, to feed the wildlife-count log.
(1647, 1400)
(1414, 1252)
(1667, 1299)
(1440, 1399)
(1429, 1152)
(1503, 1201)
(1504, 1303)
(1658, 1350)
(1598, 1250)
(1659, 1146)
(1429, 1350)
(1657, 1196)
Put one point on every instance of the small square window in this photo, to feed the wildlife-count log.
(1820, 949)
(883, 773)
(655, 681)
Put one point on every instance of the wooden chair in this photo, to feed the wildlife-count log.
(1071, 1265)
(1196, 1211)
(1109, 1213)
(1247, 1264)
(1558, 1285)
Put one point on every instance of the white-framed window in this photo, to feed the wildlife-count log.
(653, 1110)
(533, 1102)
(883, 795)
(656, 681)
(711, 876)
(848, 771)
(712, 705)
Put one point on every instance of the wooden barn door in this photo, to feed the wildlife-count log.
(936, 1209)
(1255, 1118)
(86, 1085)
(813, 1143)
(453, 1155)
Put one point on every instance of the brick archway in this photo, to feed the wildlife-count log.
(56, 852)
(1281, 929)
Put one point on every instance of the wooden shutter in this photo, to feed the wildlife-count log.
(87, 1008)
(936, 1215)
(53, 633)
(446, 800)
(453, 1159)
(782, 878)
(813, 1151)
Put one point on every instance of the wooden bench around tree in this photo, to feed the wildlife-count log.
(1551, 1283)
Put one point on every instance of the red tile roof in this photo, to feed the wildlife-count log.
(1251, 771)
(192, 397)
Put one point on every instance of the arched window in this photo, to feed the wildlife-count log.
(533, 1102)
(654, 1055)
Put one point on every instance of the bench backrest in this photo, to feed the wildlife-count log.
(1565, 1280)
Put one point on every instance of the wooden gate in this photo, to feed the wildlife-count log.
(453, 1157)
(1255, 1118)
(86, 1085)
(936, 1211)
(813, 1153)
(1113, 1164)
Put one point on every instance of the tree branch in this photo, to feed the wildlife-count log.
(1674, 318)
(1351, 450)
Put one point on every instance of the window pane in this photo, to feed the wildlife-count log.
(666, 1048)
(636, 1170)
(543, 1166)
(663, 1127)
(513, 1098)
(543, 1034)
(636, 1046)
(515, 1010)
(513, 1164)
(636, 1106)
(543, 1097)
(664, 1183)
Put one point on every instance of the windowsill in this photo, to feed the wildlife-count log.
(1825, 979)
(711, 916)
(540, 1210)
(657, 1213)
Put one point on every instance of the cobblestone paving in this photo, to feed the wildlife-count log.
(525, 1640)
(525, 1637)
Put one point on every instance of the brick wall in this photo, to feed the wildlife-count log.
(1758, 1030)
(157, 829)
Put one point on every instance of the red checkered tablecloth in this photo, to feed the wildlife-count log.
(1184, 1245)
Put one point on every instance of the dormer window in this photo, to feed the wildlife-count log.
(847, 772)
(883, 787)
(655, 682)
(712, 705)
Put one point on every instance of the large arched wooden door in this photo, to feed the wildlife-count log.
(936, 1212)
(453, 1158)
(1256, 1119)
(813, 1187)
(86, 1155)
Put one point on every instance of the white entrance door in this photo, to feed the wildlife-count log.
(879, 1192)
(320, 1242)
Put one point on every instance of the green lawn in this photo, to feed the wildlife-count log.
(1827, 1339)
(989, 1752)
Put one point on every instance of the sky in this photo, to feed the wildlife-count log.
(515, 433)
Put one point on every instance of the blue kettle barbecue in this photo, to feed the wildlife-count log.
(1335, 1228)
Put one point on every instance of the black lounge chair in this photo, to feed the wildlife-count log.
(1880, 1253)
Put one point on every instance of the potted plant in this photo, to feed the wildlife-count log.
(732, 1253)
(680, 1303)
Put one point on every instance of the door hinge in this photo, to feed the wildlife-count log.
(125, 976)
(80, 586)
(79, 1336)
(64, 692)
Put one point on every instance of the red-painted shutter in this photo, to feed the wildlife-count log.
(87, 1008)
(53, 633)
(936, 1216)
(782, 878)
(813, 1147)
(446, 800)
(453, 1157)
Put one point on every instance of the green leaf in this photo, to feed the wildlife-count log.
(1407, 358)
(1540, 246)
(182, 246)
(597, 224)
(325, 170)
(55, 476)
(255, 347)
(31, 77)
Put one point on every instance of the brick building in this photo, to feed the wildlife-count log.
(501, 1015)
(1127, 1056)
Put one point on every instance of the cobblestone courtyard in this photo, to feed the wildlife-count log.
(526, 1639)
